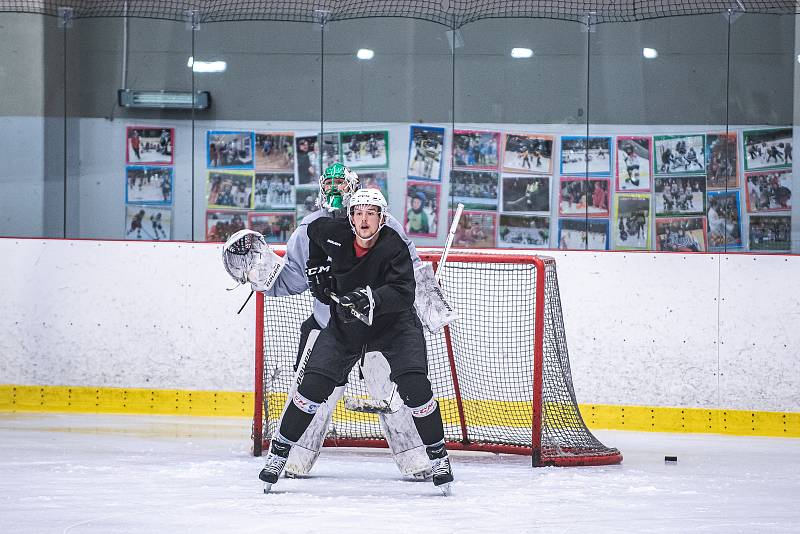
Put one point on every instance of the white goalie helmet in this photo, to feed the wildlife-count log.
(336, 185)
(368, 197)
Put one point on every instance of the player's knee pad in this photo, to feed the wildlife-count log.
(414, 389)
(316, 387)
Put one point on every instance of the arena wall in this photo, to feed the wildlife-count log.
(696, 333)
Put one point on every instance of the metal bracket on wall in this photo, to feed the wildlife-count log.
(734, 13)
(192, 20)
(322, 17)
(590, 24)
(66, 17)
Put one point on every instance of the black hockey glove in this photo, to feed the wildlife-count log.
(355, 300)
(320, 280)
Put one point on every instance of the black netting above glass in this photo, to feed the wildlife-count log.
(451, 13)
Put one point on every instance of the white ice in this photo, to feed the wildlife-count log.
(120, 474)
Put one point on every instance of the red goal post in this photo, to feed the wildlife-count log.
(500, 372)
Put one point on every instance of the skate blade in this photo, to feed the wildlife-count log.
(267, 487)
(445, 489)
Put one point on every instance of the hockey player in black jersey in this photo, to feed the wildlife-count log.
(374, 279)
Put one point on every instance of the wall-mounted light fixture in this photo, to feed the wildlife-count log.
(130, 98)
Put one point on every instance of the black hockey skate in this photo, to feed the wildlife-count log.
(276, 460)
(442, 473)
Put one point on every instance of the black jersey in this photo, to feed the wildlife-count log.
(387, 268)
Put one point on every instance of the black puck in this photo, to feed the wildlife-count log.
(670, 458)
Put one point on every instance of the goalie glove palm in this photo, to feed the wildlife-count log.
(357, 300)
(320, 280)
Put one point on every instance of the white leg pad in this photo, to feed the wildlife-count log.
(398, 427)
(305, 452)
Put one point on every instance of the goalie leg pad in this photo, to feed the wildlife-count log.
(306, 401)
(398, 427)
(306, 451)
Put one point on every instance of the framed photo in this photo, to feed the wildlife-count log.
(230, 189)
(770, 232)
(680, 195)
(476, 229)
(585, 197)
(220, 225)
(274, 191)
(767, 149)
(307, 155)
(422, 209)
(361, 150)
(528, 153)
(426, 145)
(633, 163)
(679, 154)
(307, 160)
(681, 234)
(375, 180)
(148, 223)
(477, 190)
(724, 220)
(523, 231)
(149, 185)
(769, 191)
(229, 150)
(275, 151)
(275, 227)
(582, 155)
(631, 228)
(583, 234)
(475, 149)
(148, 144)
(723, 161)
(525, 193)
(306, 201)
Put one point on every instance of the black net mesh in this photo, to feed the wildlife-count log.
(451, 13)
(493, 354)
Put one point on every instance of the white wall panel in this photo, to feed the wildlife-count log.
(118, 314)
(760, 332)
(642, 328)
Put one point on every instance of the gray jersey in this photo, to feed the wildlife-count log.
(292, 279)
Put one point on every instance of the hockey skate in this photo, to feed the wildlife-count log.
(276, 460)
(442, 473)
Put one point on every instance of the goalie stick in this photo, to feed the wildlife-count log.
(385, 405)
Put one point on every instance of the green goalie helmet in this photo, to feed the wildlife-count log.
(336, 185)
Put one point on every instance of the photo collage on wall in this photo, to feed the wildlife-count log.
(149, 182)
(269, 181)
(680, 192)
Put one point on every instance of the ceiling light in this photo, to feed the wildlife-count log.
(650, 53)
(206, 66)
(365, 53)
(521, 53)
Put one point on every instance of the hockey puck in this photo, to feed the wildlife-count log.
(670, 458)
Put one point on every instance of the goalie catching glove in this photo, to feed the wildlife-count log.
(247, 258)
(320, 280)
(359, 300)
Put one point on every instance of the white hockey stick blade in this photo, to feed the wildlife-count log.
(356, 404)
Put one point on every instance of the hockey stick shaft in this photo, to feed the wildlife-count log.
(450, 237)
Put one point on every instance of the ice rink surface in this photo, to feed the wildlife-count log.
(118, 474)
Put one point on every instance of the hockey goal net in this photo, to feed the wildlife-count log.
(500, 372)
